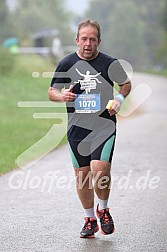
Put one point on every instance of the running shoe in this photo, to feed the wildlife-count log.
(106, 221)
(90, 227)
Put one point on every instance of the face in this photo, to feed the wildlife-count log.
(87, 43)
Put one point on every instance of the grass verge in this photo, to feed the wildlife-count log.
(161, 72)
(20, 132)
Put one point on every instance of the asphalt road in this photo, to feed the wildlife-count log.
(39, 214)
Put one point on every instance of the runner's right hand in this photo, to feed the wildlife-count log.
(68, 95)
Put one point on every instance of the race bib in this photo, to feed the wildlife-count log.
(87, 103)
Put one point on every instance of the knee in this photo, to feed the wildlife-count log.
(101, 168)
(101, 173)
(83, 176)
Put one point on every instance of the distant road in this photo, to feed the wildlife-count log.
(45, 215)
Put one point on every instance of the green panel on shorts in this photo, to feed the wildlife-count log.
(74, 161)
(105, 154)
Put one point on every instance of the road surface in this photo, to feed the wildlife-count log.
(39, 214)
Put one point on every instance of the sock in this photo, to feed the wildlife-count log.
(103, 204)
(90, 212)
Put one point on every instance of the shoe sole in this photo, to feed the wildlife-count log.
(90, 236)
(103, 233)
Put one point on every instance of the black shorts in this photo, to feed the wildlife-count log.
(82, 153)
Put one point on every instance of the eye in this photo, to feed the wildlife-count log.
(83, 39)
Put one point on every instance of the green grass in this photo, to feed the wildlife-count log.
(161, 73)
(18, 129)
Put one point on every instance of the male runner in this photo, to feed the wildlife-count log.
(84, 80)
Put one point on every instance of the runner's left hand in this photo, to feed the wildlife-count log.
(116, 106)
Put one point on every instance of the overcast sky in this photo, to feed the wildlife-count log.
(77, 6)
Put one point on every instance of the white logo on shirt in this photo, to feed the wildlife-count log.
(89, 82)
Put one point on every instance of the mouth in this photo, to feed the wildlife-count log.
(87, 50)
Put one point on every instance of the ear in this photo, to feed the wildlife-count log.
(76, 40)
(99, 42)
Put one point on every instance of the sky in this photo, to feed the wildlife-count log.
(76, 6)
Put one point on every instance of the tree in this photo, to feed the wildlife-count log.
(126, 35)
(6, 30)
(161, 52)
(32, 16)
(131, 29)
(164, 15)
(150, 16)
(121, 29)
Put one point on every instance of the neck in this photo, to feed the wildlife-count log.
(93, 57)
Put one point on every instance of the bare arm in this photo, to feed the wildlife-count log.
(56, 95)
(125, 89)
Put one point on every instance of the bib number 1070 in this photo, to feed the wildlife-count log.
(87, 104)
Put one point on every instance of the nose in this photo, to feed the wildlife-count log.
(88, 42)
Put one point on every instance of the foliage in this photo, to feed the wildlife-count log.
(32, 16)
(131, 29)
(5, 21)
(7, 62)
(161, 52)
(164, 15)
(134, 29)
(125, 39)
(162, 48)
(41, 14)
(150, 17)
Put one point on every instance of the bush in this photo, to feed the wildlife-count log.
(7, 62)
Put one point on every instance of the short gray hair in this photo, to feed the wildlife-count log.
(92, 23)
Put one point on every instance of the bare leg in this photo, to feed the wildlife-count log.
(84, 186)
(101, 173)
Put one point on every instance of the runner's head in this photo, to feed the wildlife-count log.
(88, 39)
(92, 23)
